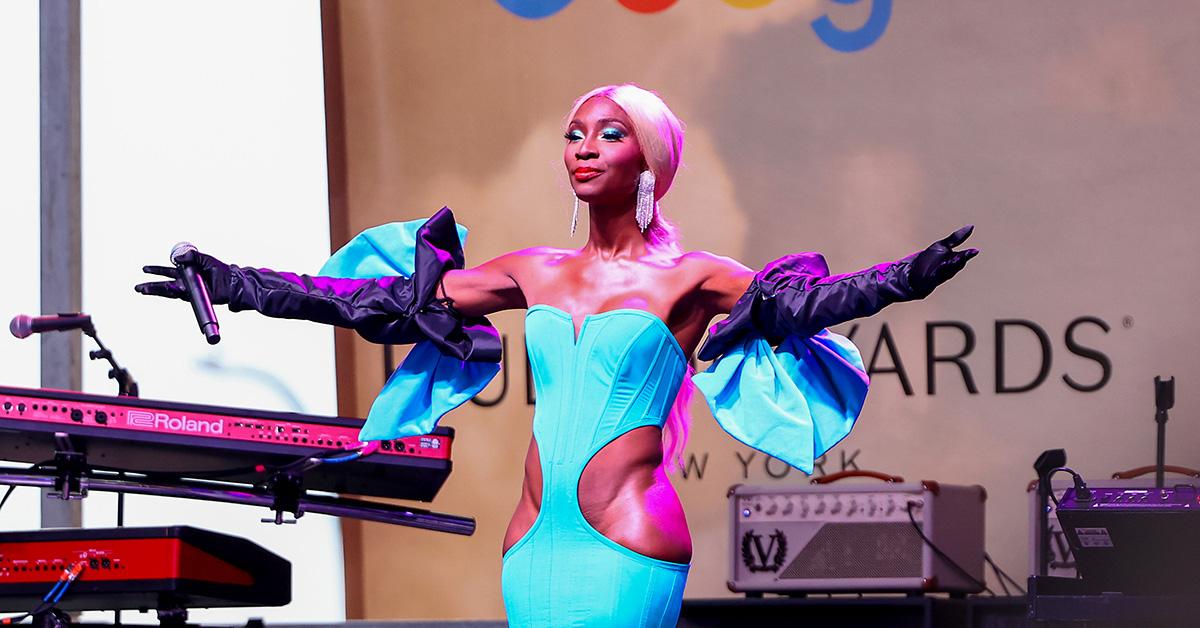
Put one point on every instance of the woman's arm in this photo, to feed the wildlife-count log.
(725, 281)
(795, 295)
(485, 289)
(393, 309)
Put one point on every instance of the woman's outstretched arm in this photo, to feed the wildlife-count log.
(795, 295)
(485, 289)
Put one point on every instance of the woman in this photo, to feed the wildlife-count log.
(599, 536)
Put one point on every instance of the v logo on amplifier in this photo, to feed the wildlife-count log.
(756, 558)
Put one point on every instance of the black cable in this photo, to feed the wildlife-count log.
(940, 553)
(13, 487)
(52, 597)
(7, 494)
(996, 572)
(1003, 573)
(1081, 492)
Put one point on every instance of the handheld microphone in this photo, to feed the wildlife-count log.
(197, 293)
(22, 326)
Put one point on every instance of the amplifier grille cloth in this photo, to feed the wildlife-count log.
(859, 550)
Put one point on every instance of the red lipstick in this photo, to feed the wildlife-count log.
(586, 174)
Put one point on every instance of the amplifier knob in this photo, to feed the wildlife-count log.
(837, 507)
(852, 509)
(787, 508)
(820, 507)
(771, 510)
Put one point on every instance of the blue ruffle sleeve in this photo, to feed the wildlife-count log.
(428, 383)
(793, 402)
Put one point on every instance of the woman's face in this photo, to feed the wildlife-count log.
(602, 156)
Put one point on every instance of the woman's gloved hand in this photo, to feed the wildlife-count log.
(212, 271)
(387, 310)
(795, 295)
(392, 310)
(939, 262)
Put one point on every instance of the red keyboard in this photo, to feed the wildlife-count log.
(140, 568)
(145, 435)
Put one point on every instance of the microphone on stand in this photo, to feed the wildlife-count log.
(22, 325)
(197, 293)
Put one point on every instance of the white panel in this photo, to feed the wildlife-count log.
(20, 360)
(204, 121)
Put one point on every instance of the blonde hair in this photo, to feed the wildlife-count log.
(660, 135)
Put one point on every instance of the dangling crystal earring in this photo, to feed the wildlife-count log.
(574, 214)
(645, 199)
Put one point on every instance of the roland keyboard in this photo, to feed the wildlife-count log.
(141, 435)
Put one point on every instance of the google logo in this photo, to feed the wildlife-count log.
(828, 32)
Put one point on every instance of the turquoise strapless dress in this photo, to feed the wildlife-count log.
(793, 401)
(621, 373)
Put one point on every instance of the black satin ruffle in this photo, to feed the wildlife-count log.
(795, 295)
(388, 310)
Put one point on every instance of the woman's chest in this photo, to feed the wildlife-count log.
(584, 289)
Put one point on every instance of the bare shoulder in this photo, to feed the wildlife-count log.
(722, 279)
(532, 259)
(712, 263)
(546, 252)
(521, 258)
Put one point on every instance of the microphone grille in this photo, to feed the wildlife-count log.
(21, 326)
(179, 249)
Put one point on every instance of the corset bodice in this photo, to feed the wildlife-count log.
(622, 371)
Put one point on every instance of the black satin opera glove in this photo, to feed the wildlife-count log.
(795, 295)
(388, 310)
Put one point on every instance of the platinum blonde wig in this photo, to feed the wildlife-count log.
(660, 136)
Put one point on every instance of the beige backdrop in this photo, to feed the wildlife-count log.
(1067, 132)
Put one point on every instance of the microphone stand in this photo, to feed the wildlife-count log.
(1164, 399)
(1045, 463)
(126, 386)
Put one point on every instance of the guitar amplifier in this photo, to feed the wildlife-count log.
(1135, 541)
(1061, 559)
(856, 538)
